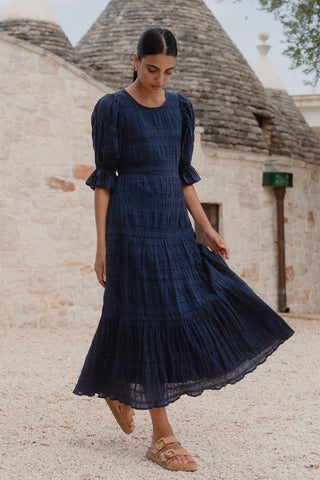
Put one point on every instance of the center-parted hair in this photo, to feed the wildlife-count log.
(154, 41)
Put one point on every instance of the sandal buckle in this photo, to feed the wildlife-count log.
(158, 442)
(170, 453)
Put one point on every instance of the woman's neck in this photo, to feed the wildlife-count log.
(143, 96)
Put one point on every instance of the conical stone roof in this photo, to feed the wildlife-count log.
(229, 100)
(211, 71)
(291, 135)
(32, 21)
(290, 131)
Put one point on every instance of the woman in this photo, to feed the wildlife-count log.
(175, 319)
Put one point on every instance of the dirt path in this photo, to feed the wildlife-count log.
(265, 427)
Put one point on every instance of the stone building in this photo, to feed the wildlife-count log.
(243, 129)
(33, 22)
(309, 106)
(48, 233)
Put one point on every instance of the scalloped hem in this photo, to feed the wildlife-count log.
(194, 388)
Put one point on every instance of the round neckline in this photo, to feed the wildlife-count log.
(144, 106)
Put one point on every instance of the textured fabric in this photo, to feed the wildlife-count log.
(175, 319)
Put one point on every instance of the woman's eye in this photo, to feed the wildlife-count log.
(152, 71)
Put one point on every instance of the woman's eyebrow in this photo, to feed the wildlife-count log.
(153, 66)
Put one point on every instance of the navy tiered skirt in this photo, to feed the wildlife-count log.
(176, 319)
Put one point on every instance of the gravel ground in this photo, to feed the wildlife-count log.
(265, 427)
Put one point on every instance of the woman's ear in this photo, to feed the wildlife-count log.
(135, 61)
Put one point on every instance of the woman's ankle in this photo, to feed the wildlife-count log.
(161, 432)
(160, 423)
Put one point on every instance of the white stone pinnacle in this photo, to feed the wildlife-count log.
(28, 10)
(264, 35)
(264, 71)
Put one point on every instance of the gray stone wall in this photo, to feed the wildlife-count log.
(248, 221)
(47, 217)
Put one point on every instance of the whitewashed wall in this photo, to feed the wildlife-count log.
(302, 217)
(248, 219)
(47, 218)
(247, 214)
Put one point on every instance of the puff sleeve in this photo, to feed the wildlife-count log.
(188, 174)
(106, 143)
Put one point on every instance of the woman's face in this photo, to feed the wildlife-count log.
(154, 71)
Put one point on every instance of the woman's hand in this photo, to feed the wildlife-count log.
(216, 243)
(211, 237)
(101, 202)
(100, 266)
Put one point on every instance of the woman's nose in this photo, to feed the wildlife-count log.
(160, 79)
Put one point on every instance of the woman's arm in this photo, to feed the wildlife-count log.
(211, 237)
(101, 202)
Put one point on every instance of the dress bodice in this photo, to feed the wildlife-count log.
(129, 137)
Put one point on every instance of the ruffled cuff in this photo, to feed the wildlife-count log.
(189, 175)
(102, 179)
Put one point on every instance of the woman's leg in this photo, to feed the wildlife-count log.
(162, 428)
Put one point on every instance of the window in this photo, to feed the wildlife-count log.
(264, 124)
(212, 212)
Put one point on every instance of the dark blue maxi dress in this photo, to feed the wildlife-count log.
(175, 318)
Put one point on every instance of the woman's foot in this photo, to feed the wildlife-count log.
(168, 452)
(123, 414)
(165, 449)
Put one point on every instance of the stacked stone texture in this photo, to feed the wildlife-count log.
(291, 135)
(228, 98)
(248, 215)
(49, 36)
(48, 235)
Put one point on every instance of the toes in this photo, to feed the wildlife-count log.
(182, 459)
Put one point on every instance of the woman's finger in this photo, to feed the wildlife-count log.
(100, 269)
(104, 276)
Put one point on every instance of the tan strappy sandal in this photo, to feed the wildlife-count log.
(164, 453)
(123, 418)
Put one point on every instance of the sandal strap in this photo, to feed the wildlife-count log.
(175, 452)
(126, 416)
(164, 441)
(130, 411)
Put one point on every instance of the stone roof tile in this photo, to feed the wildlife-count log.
(291, 135)
(47, 35)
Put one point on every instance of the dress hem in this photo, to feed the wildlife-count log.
(233, 378)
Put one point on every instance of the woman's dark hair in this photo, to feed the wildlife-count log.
(154, 41)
